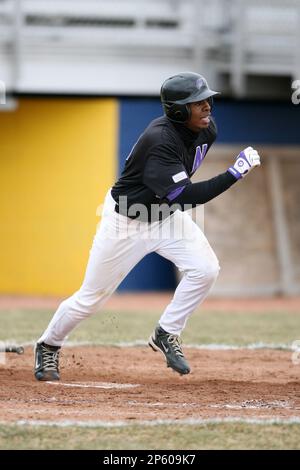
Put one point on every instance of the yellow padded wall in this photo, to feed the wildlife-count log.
(58, 158)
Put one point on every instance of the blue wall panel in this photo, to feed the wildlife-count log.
(263, 122)
(245, 122)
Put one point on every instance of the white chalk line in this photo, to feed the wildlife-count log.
(245, 405)
(255, 405)
(106, 385)
(211, 346)
(160, 422)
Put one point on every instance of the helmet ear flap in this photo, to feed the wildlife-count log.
(177, 112)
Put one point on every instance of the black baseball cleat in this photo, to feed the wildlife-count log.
(46, 362)
(170, 346)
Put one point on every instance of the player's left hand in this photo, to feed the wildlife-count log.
(245, 162)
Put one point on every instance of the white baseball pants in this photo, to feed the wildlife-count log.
(119, 244)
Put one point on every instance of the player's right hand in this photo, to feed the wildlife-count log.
(245, 161)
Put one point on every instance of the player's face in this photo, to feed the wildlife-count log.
(200, 115)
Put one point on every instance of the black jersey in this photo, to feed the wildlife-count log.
(161, 163)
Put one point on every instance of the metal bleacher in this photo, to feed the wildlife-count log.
(263, 40)
(130, 46)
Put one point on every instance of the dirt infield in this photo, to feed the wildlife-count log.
(132, 384)
(109, 384)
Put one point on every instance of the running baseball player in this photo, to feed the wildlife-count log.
(144, 212)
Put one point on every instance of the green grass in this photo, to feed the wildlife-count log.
(213, 436)
(203, 328)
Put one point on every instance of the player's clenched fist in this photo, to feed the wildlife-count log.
(244, 163)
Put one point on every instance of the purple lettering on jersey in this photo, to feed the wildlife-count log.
(173, 194)
(199, 156)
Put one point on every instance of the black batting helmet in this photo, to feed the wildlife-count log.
(180, 90)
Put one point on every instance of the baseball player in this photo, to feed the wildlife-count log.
(144, 212)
